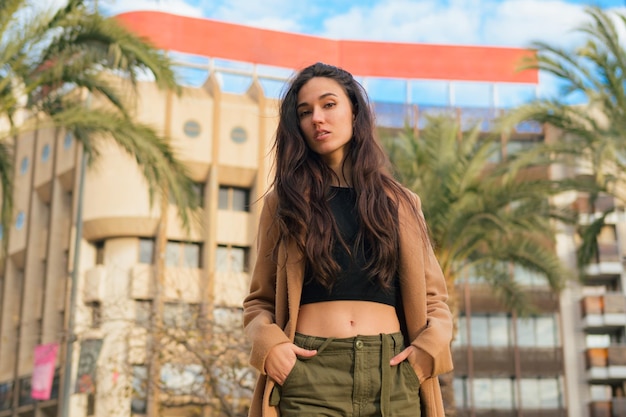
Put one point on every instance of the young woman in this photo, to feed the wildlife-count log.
(347, 309)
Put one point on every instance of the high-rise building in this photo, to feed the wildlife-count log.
(568, 360)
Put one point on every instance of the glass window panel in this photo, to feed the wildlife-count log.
(546, 331)
(189, 315)
(600, 392)
(530, 393)
(479, 331)
(181, 379)
(240, 199)
(502, 393)
(550, 397)
(526, 332)
(228, 317)
(513, 147)
(526, 277)
(143, 312)
(198, 189)
(170, 314)
(461, 396)
(460, 338)
(222, 200)
(237, 259)
(482, 393)
(24, 165)
(192, 255)
(146, 251)
(221, 259)
(499, 330)
(597, 340)
(139, 386)
(172, 254)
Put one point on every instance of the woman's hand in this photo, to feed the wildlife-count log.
(282, 358)
(402, 355)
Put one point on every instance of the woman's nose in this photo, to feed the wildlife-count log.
(317, 116)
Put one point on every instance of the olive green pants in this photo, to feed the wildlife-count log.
(349, 377)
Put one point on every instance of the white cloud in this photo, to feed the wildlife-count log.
(464, 22)
(406, 21)
(179, 7)
(282, 15)
(519, 22)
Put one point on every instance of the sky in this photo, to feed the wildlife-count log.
(511, 23)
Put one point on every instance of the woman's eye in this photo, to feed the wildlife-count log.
(304, 113)
(328, 105)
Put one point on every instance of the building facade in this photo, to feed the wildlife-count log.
(568, 360)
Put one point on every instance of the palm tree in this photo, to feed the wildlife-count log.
(48, 60)
(594, 132)
(484, 217)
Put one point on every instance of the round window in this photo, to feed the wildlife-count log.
(192, 128)
(238, 135)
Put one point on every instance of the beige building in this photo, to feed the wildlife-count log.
(224, 141)
(568, 360)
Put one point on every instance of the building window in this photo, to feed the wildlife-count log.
(6, 396)
(529, 278)
(460, 338)
(231, 259)
(99, 247)
(146, 251)
(192, 129)
(45, 153)
(95, 308)
(182, 254)
(24, 165)
(538, 331)
(461, 392)
(499, 393)
(24, 397)
(493, 393)
(225, 319)
(20, 220)
(143, 313)
(198, 189)
(239, 135)
(489, 330)
(600, 392)
(91, 404)
(182, 379)
(181, 315)
(514, 147)
(541, 393)
(68, 140)
(138, 404)
(234, 199)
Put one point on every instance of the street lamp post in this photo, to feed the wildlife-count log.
(69, 344)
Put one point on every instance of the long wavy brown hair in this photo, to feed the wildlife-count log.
(302, 182)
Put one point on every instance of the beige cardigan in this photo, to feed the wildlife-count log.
(271, 308)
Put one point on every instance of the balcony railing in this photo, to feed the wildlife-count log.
(606, 364)
(615, 407)
(604, 311)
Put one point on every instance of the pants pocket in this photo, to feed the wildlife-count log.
(409, 373)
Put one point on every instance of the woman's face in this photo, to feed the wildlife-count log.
(326, 117)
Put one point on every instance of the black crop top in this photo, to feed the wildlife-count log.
(353, 282)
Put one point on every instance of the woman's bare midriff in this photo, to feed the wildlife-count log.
(347, 319)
